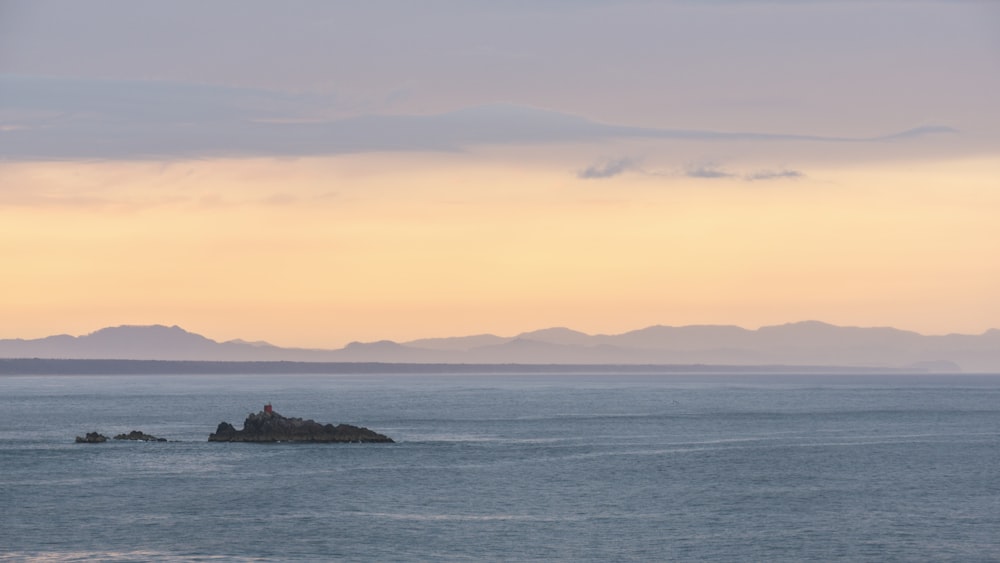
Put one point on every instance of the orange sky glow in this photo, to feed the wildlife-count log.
(410, 246)
(323, 172)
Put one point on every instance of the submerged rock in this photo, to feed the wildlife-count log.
(91, 438)
(269, 426)
(140, 436)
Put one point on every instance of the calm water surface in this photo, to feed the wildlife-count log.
(512, 467)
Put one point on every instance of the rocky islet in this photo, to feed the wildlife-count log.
(269, 426)
(265, 426)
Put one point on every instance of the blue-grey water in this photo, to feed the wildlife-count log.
(525, 467)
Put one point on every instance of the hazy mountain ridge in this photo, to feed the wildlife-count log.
(804, 343)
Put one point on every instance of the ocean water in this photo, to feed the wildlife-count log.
(571, 467)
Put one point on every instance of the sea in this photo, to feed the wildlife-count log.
(595, 466)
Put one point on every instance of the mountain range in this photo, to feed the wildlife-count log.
(809, 343)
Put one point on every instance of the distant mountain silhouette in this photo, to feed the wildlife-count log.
(155, 342)
(809, 343)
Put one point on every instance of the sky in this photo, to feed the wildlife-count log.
(313, 173)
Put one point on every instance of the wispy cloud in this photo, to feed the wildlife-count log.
(917, 132)
(772, 175)
(66, 118)
(706, 170)
(608, 169)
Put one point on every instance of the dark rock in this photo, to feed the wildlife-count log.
(272, 427)
(91, 438)
(140, 436)
(224, 433)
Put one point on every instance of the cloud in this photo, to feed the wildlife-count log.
(706, 170)
(71, 119)
(608, 169)
(772, 175)
(148, 102)
(917, 132)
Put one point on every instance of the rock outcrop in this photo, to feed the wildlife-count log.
(139, 436)
(91, 438)
(269, 426)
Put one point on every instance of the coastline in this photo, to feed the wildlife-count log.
(43, 366)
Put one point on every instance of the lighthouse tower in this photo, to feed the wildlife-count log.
(268, 409)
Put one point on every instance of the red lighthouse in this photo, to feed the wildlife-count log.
(267, 408)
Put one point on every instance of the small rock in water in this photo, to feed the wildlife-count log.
(91, 438)
(140, 436)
